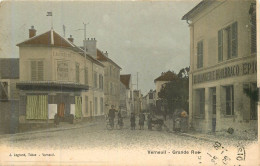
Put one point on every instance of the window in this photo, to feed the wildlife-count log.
(37, 70)
(231, 40)
(201, 101)
(96, 106)
(252, 13)
(86, 104)
(150, 95)
(77, 72)
(86, 75)
(95, 79)
(3, 91)
(111, 88)
(220, 45)
(62, 70)
(100, 81)
(229, 100)
(200, 54)
(101, 105)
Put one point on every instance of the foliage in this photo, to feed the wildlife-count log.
(175, 94)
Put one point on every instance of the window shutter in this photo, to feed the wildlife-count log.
(86, 76)
(33, 71)
(201, 54)
(40, 70)
(220, 45)
(234, 39)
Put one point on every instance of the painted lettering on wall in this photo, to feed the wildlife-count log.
(246, 68)
(62, 70)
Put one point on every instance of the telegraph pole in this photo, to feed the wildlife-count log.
(85, 49)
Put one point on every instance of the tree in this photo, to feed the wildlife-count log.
(176, 92)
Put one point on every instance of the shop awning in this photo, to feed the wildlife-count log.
(51, 85)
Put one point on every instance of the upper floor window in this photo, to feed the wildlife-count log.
(77, 72)
(227, 42)
(252, 13)
(200, 54)
(62, 70)
(37, 70)
(101, 81)
(95, 79)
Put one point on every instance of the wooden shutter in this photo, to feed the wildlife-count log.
(200, 54)
(86, 76)
(33, 71)
(78, 107)
(234, 39)
(40, 69)
(77, 72)
(220, 45)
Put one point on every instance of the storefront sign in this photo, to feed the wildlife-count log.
(227, 72)
(62, 70)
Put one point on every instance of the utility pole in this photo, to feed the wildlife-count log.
(85, 40)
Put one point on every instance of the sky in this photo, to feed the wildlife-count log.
(147, 37)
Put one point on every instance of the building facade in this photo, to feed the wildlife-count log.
(55, 78)
(111, 81)
(126, 81)
(223, 67)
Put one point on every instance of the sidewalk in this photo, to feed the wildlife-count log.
(211, 137)
(61, 127)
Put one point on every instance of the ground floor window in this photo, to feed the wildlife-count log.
(37, 107)
(101, 105)
(229, 100)
(96, 105)
(86, 104)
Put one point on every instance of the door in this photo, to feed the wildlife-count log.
(61, 110)
(214, 108)
(90, 108)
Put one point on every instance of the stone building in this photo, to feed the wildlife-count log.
(111, 81)
(56, 78)
(222, 66)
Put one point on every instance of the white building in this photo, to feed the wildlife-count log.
(222, 66)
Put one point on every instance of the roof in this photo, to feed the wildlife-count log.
(196, 9)
(9, 68)
(57, 41)
(168, 76)
(50, 38)
(101, 57)
(125, 79)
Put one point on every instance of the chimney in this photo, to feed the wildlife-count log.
(32, 32)
(106, 54)
(71, 39)
(91, 45)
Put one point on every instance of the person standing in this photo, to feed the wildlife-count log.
(141, 121)
(111, 115)
(132, 120)
(149, 122)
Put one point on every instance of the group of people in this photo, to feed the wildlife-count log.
(141, 121)
(112, 114)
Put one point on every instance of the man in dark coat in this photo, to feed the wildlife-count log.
(149, 122)
(141, 121)
(111, 115)
(132, 120)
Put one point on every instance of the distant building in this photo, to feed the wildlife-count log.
(111, 81)
(159, 82)
(222, 66)
(9, 95)
(9, 75)
(126, 80)
(149, 101)
(137, 101)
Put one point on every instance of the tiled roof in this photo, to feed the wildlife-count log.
(50, 38)
(101, 57)
(125, 79)
(168, 76)
(9, 68)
